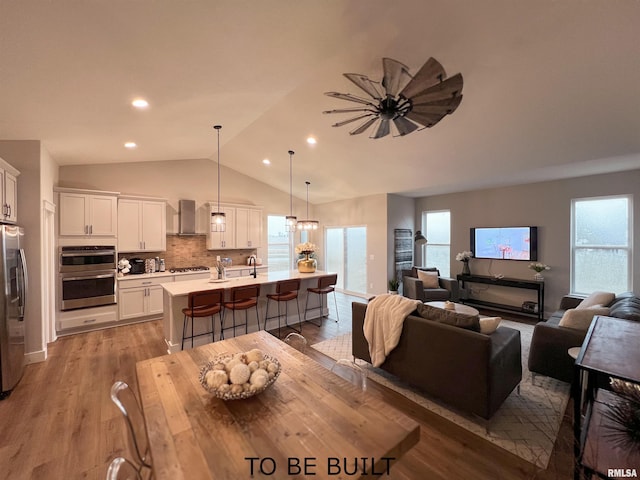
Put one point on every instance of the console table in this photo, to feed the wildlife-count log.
(610, 349)
(536, 285)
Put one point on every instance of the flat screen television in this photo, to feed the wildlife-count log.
(505, 243)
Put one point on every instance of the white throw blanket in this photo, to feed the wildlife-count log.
(383, 324)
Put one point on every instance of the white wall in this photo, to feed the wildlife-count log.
(546, 205)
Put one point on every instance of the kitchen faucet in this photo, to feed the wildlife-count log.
(254, 274)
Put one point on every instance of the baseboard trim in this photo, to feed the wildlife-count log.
(35, 357)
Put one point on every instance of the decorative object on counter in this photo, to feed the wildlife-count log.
(150, 265)
(162, 266)
(240, 375)
(306, 262)
(220, 271)
(307, 224)
(393, 286)
(419, 238)
(539, 268)
(290, 219)
(124, 266)
(625, 414)
(218, 219)
(464, 257)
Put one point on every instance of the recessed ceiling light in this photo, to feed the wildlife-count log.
(266, 161)
(311, 140)
(130, 145)
(140, 103)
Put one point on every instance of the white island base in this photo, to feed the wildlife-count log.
(176, 294)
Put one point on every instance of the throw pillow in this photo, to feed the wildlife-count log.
(469, 322)
(488, 325)
(580, 319)
(597, 298)
(428, 279)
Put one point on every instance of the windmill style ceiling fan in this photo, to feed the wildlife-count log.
(409, 103)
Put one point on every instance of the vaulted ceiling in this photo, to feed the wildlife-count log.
(551, 88)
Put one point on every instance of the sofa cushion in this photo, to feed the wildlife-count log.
(469, 322)
(580, 319)
(597, 298)
(428, 279)
(488, 325)
(627, 306)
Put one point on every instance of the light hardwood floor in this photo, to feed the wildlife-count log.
(59, 423)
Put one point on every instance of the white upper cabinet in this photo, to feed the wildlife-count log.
(9, 192)
(226, 239)
(142, 225)
(243, 228)
(248, 227)
(88, 214)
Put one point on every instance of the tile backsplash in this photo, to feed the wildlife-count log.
(191, 250)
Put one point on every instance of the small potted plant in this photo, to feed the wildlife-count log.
(539, 268)
(393, 286)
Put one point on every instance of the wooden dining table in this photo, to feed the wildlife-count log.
(309, 423)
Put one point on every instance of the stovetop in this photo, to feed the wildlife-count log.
(197, 268)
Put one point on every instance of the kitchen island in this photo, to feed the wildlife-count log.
(175, 299)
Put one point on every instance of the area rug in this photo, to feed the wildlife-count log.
(526, 425)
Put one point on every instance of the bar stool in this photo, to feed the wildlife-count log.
(204, 303)
(326, 285)
(286, 290)
(242, 298)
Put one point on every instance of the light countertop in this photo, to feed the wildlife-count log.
(176, 289)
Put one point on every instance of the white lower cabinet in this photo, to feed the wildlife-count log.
(141, 297)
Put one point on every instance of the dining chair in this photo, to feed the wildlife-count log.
(122, 469)
(296, 341)
(204, 303)
(244, 298)
(125, 399)
(326, 285)
(352, 372)
(286, 291)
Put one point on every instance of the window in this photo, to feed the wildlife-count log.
(436, 226)
(601, 244)
(346, 253)
(279, 244)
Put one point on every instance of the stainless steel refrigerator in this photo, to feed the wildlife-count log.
(13, 298)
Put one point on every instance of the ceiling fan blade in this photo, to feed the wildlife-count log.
(383, 129)
(448, 88)
(344, 122)
(351, 98)
(441, 107)
(430, 74)
(424, 119)
(363, 127)
(396, 76)
(365, 84)
(404, 126)
(350, 110)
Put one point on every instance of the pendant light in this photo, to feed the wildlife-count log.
(307, 224)
(420, 239)
(218, 219)
(290, 219)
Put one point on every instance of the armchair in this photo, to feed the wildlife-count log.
(413, 287)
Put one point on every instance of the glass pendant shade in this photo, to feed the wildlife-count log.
(307, 224)
(291, 220)
(218, 219)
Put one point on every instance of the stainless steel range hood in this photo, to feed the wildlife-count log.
(187, 217)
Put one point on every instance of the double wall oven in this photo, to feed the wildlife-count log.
(87, 276)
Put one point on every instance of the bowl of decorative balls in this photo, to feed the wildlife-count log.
(241, 375)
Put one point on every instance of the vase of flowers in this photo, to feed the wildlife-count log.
(464, 257)
(306, 261)
(539, 268)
